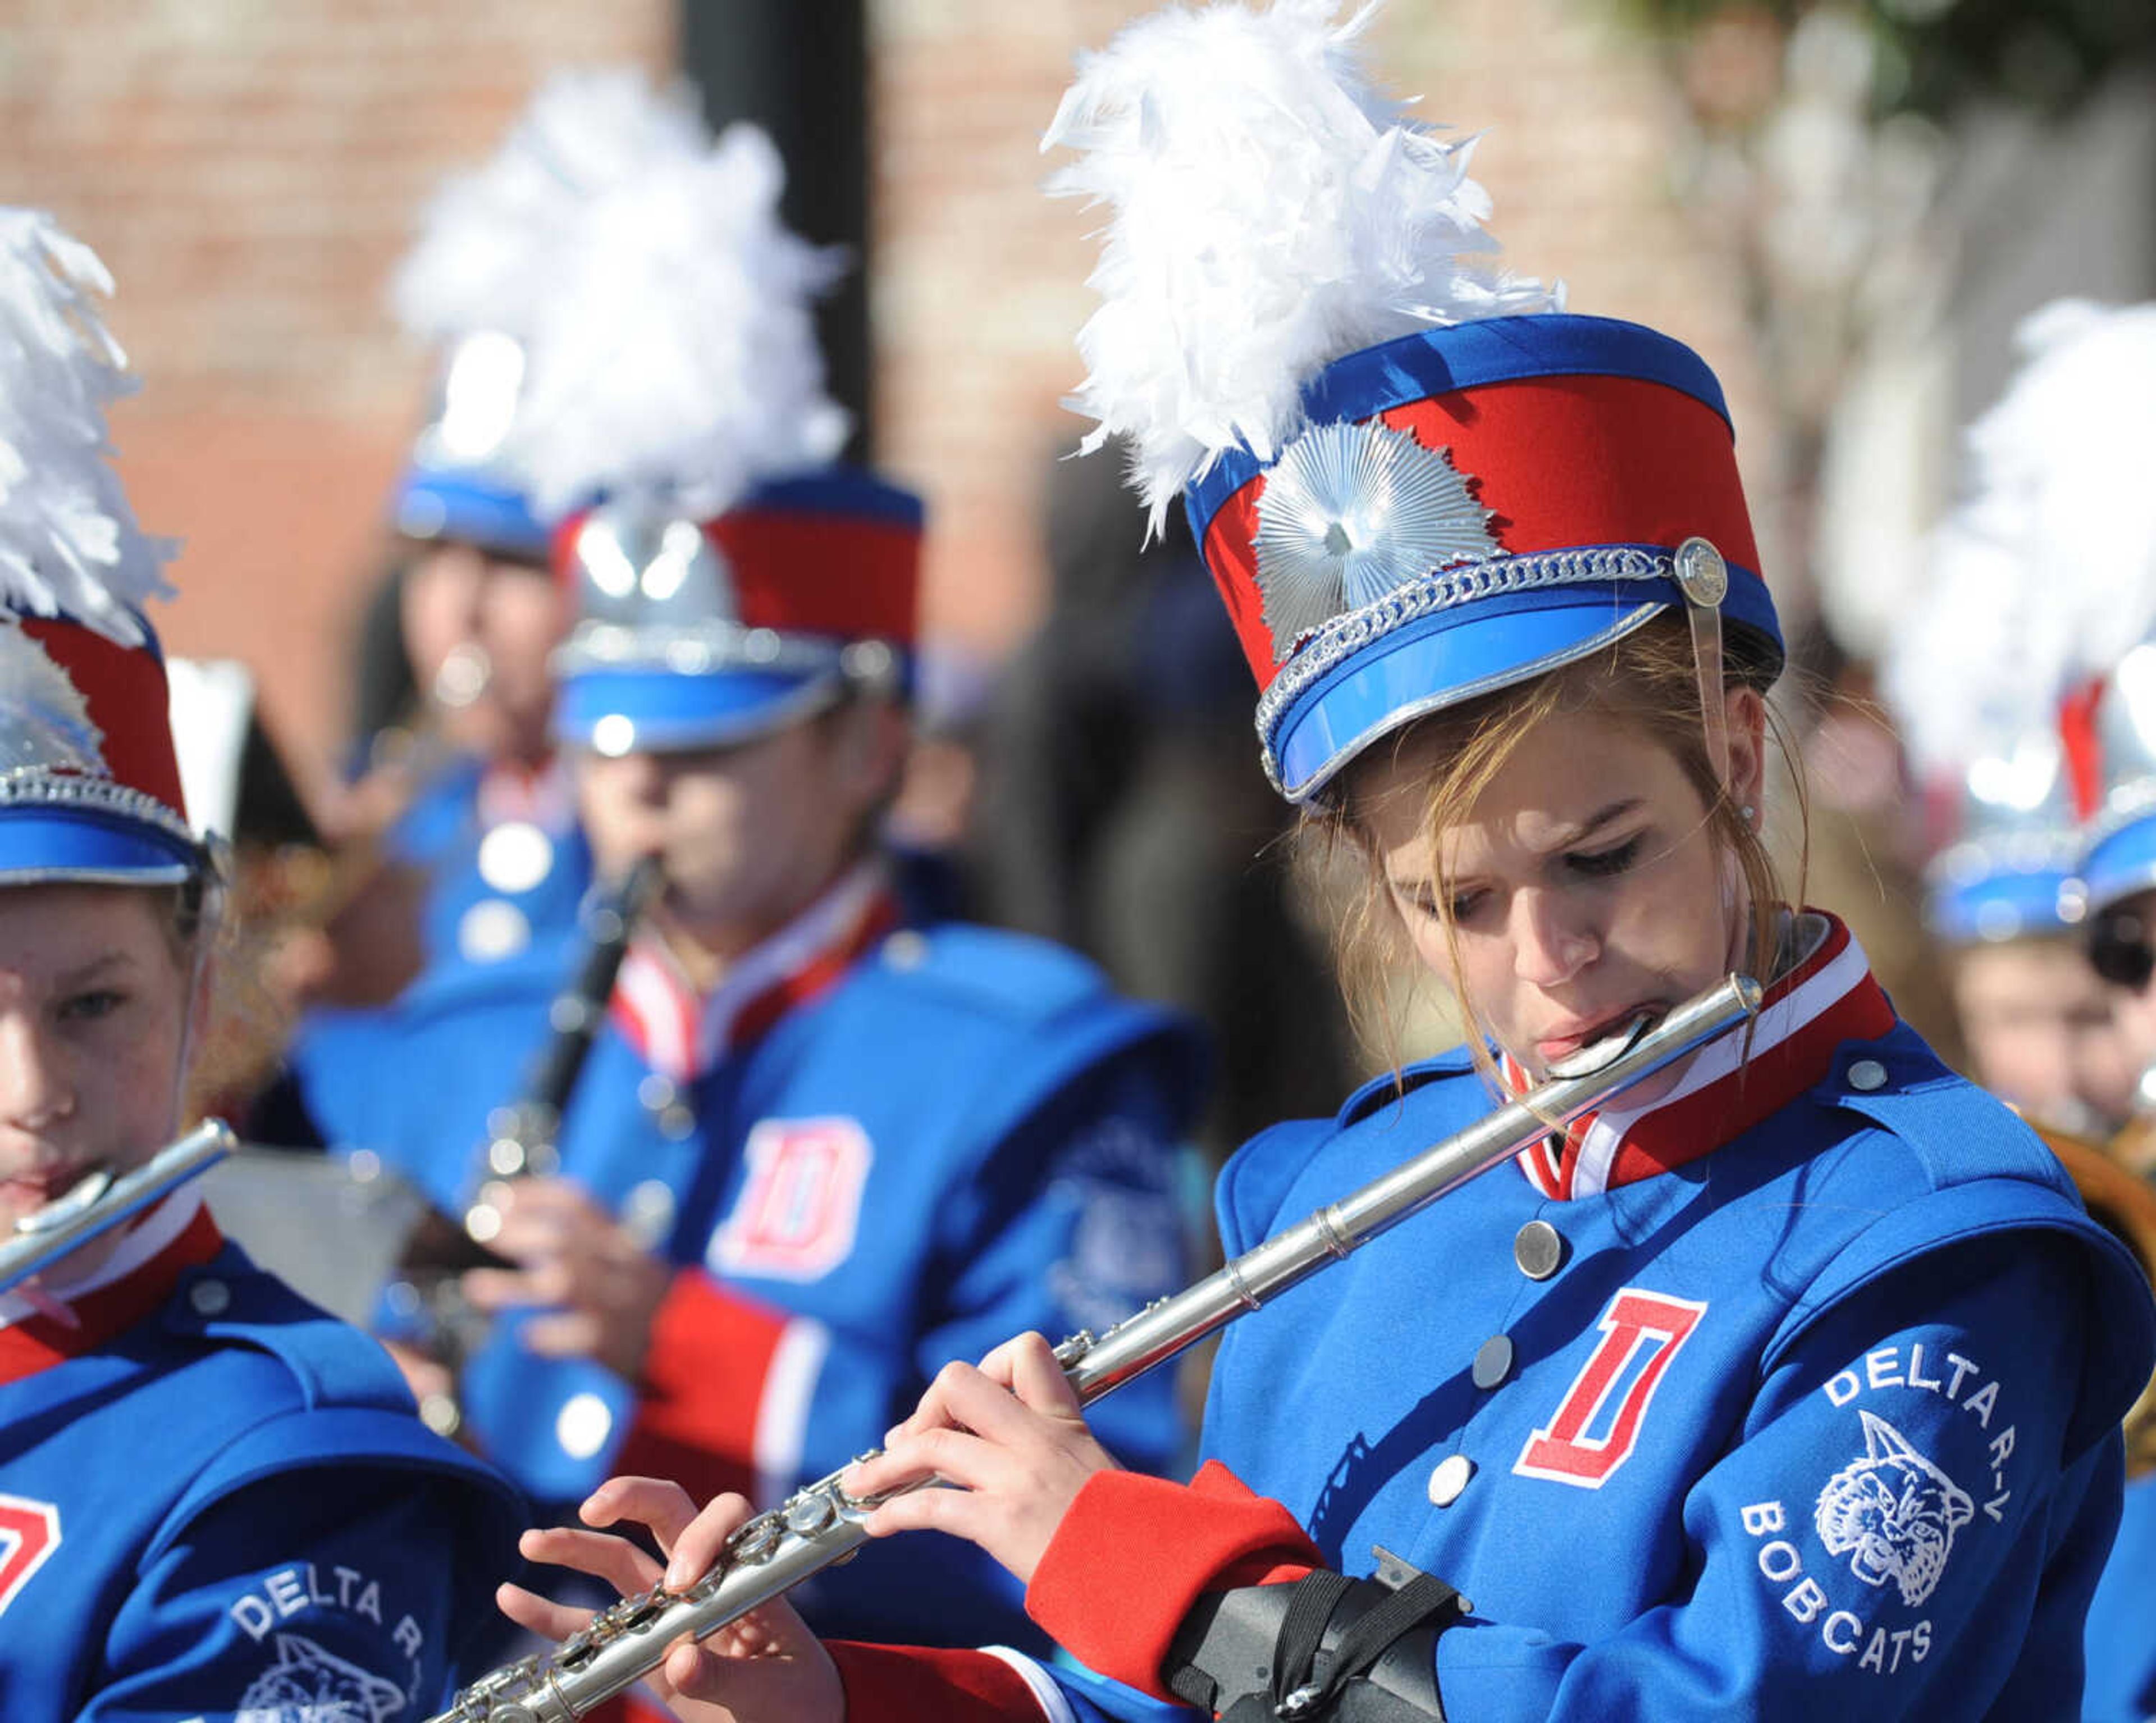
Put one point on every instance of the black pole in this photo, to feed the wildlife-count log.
(800, 69)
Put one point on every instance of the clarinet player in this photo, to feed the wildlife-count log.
(817, 1150)
(215, 1502)
(1789, 1387)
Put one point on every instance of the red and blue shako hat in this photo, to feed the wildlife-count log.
(1413, 478)
(89, 788)
(2066, 453)
(1469, 507)
(725, 575)
(693, 632)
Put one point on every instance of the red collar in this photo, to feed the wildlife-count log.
(1729, 1085)
(37, 1342)
(682, 1034)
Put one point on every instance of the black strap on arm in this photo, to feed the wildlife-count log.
(1324, 1648)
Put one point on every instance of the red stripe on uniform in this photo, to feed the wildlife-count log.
(39, 1342)
(1133, 1554)
(913, 1684)
(702, 1388)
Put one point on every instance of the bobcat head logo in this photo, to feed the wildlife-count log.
(1896, 1510)
(308, 1685)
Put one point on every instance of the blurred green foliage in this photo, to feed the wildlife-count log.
(1938, 56)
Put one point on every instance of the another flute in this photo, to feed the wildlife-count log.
(822, 1524)
(100, 1203)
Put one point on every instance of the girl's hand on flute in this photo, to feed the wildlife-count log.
(765, 1667)
(1010, 1436)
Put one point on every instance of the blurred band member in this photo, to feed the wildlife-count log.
(817, 1152)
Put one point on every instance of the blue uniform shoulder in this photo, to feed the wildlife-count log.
(1398, 1085)
(987, 970)
(313, 1391)
(1949, 1131)
(450, 987)
(982, 989)
(1434, 1096)
(1929, 1161)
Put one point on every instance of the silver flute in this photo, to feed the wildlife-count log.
(821, 1524)
(100, 1203)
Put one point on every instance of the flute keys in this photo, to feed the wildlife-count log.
(808, 1513)
(756, 1542)
(1539, 1250)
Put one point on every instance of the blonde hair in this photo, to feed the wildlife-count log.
(1646, 680)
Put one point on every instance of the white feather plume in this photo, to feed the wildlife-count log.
(1983, 653)
(672, 352)
(2063, 470)
(68, 540)
(489, 238)
(1269, 212)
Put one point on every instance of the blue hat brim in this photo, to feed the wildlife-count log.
(2121, 864)
(41, 845)
(437, 505)
(1457, 654)
(1993, 906)
(661, 711)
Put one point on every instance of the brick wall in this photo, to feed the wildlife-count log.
(250, 169)
(980, 280)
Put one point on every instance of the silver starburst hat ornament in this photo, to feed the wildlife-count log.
(725, 575)
(89, 790)
(1415, 480)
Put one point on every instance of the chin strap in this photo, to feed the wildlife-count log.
(1324, 1648)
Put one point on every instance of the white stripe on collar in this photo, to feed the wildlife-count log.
(164, 1224)
(1718, 1059)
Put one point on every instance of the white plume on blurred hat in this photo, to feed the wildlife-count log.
(665, 313)
(68, 539)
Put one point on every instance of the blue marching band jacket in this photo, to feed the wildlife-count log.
(875, 1149)
(504, 861)
(216, 1504)
(1823, 1423)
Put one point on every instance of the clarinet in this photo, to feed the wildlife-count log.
(99, 1202)
(822, 1524)
(522, 1141)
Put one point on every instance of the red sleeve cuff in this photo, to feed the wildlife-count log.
(905, 1683)
(703, 1388)
(1134, 1554)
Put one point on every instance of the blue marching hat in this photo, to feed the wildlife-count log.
(91, 792)
(1414, 479)
(453, 489)
(694, 634)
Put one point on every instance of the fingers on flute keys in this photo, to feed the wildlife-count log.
(1009, 1435)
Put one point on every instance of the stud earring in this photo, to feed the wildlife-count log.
(1751, 815)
